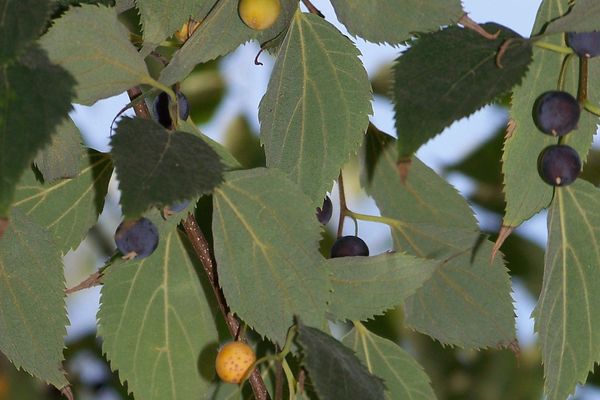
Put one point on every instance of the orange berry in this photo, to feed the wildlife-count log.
(233, 361)
(259, 14)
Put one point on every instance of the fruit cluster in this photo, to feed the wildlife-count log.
(557, 113)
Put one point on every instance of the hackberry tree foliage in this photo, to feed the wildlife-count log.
(223, 242)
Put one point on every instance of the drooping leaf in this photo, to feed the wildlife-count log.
(61, 158)
(334, 369)
(525, 192)
(269, 272)
(317, 71)
(21, 23)
(32, 306)
(467, 301)
(394, 21)
(27, 121)
(403, 377)
(566, 317)
(78, 42)
(160, 18)
(68, 208)
(158, 167)
(431, 92)
(157, 323)
(220, 33)
(365, 286)
(584, 16)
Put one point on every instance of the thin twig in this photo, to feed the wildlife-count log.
(94, 279)
(202, 250)
(278, 381)
(343, 206)
(467, 22)
(312, 9)
(582, 90)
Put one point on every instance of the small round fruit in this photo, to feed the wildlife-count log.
(559, 165)
(259, 14)
(175, 208)
(161, 108)
(556, 113)
(584, 44)
(349, 246)
(324, 213)
(136, 239)
(234, 361)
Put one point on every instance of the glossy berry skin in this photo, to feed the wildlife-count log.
(559, 165)
(161, 108)
(349, 246)
(259, 14)
(233, 361)
(556, 113)
(136, 239)
(324, 213)
(584, 44)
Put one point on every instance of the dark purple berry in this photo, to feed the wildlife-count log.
(559, 165)
(161, 108)
(175, 208)
(556, 113)
(324, 213)
(136, 239)
(349, 246)
(584, 44)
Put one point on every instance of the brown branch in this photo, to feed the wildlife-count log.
(312, 9)
(91, 281)
(202, 250)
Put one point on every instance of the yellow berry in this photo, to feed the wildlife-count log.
(233, 361)
(259, 14)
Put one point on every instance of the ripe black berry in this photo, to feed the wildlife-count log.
(556, 113)
(559, 165)
(136, 239)
(175, 208)
(585, 44)
(324, 213)
(349, 246)
(161, 108)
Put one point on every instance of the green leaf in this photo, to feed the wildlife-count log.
(158, 326)
(335, 370)
(160, 18)
(27, 116)
(317, 71)
(22, 22)
(432, 92)
(584, 16)
(226, 157)
(525, 192)
(266, 245)
(403, 377)
(221, 32)
(159, 167)
(78, 42)
(394, 21)
(60, 159)
(32, 306)
(70, 207)
(430, 219)
(365, 286)
(566, 317)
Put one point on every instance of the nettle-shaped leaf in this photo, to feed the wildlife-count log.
(566, 317)
(27, 118)
(467, 300)
(334, 369)
(61, 159)
(32, 306)
(584, 16)
(159, 167)
(448, 75)
(78, 42)
(266, 245)
(394, 21)
(525, 193)
(316, 108)
(157, 322)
